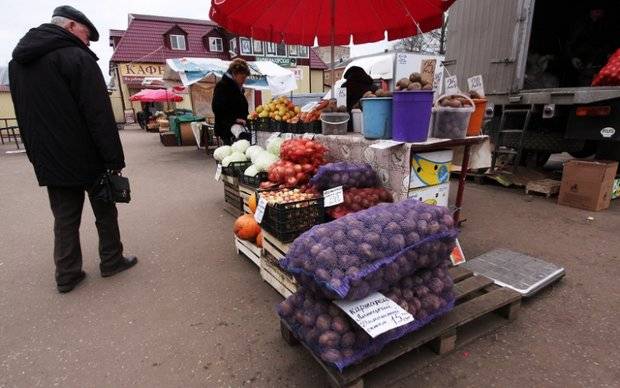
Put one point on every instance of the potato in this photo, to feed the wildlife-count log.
(414, 86)
(329, 339)
(403, 83)
(324, 322)
(340, 325)
(427, 87)
(415, 77)
(331, 355)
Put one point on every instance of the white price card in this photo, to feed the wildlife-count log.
(452, 85)
(287, 136)
(333, 197)
(457, 256)
(218, 172)
(273, 136)
(385, 144)
(260, 210)
(376, 313)
(309, 136)
(475, 83)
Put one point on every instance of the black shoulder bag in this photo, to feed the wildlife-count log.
(111, 188)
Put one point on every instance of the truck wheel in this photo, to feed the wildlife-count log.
(531, 158)
(589, 149)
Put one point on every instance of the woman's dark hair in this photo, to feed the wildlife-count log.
(239, 66)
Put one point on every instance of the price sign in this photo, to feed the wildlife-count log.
(333, 197)
(452, 85)
(457, 256)
(376, 313)
(260, 210)
(427, 70)
(475, 83)
(218, 172)
(309, 136)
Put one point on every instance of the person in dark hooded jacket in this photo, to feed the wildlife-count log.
(357, 83)
(68, 128)
(229, 104)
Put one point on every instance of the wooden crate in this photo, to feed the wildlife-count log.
(245, 192)
(276, 277)
(476, 297)
(249, 250)
(277, 248)
(233, 181)
(233, 202)
(548, 187)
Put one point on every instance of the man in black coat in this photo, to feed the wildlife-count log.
(68, 128)
(229, 104)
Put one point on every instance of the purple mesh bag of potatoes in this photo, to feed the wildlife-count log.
(345, 174)
(340, 342)
(371, 249)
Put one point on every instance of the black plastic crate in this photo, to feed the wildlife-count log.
(262, 124)
(279, 126)
(313, 127)
(235, 169)
(288, 220)
(253, 181)
(296, 128)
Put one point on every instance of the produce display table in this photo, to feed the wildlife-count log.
(393, 164)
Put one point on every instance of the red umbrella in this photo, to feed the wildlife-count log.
(299, 22)
(155, 95)
(331, 22)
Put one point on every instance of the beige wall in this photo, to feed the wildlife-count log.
(317, 81)
(117, 106)
(6, 107)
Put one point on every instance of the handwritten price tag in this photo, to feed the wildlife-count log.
(376, 313)
(452, 85)
(475, 83)
(260, 210)
(218, 172)
(333, 197)
(309, 136)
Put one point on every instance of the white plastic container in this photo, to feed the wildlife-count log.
(335, 123)
(358, 121)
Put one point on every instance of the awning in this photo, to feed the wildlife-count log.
(264, 75)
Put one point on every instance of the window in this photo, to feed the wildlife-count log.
(293, 51)
(177, 42)
(215, 44)
(271, 48)
(246, 46)
(281, 50)
(233, 47)
(257, 47)
(303, 52)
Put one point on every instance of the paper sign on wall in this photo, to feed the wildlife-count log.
(218, 172)
(452, 85)
(376, 313)
(333, 197)
(260, 210)
(475, 83)
(457, 256)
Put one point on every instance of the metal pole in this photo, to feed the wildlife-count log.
(461, 188)
(333, 40)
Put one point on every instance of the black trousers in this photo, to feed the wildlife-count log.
(67, 204)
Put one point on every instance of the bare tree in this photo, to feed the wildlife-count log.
(431, 42)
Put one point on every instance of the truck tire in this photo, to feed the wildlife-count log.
(589, 149)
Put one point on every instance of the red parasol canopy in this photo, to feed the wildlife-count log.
(155, 95)
(299, 22)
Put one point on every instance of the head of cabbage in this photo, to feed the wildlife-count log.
(240, 145)
(234, 157)
(221, 152)
(273, 145)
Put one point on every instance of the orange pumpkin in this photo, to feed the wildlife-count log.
(246, 228)
(252, 202)
(259, 239)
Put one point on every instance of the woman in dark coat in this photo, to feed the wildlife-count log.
(229, 103)
(357, 83)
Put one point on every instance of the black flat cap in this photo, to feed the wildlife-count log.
(69, 12)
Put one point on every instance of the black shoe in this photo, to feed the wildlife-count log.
(70, 286)
(125, 263)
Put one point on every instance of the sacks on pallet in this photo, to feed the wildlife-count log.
(369, 250)
(340, 342)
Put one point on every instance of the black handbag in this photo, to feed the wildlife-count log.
(111, 188)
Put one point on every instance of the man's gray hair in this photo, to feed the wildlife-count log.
(60, 21)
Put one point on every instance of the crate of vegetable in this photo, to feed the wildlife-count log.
(290, 212)
(236, 169)
(253, 181)
(451, 116)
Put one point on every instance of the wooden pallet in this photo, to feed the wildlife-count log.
(276, 277)
(249, 250)
(548, 187)
(476, 297)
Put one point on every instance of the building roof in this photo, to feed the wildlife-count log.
(116, 33)
(143, 40)
(315, 61)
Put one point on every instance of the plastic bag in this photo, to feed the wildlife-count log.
(610, 73)
(345, 174)
(365, 251)
(340, 342)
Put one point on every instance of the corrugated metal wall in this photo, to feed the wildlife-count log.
(481, 32)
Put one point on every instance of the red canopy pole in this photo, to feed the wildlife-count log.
(333, 41)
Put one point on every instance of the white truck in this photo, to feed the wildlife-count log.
(535, 58)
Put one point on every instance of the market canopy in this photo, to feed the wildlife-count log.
(156, 95)
(264, 75)
(300, 22)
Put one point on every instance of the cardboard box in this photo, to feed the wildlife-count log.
(587, 184)
(615, 192)
(432, 195)
(430, 168)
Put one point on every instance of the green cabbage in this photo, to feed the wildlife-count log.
(221, 152)
(251, 171)
(264, 160)
(253, 150)
(273, 146)
(240, 145)
(234, 157)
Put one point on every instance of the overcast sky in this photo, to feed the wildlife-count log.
(17, 17)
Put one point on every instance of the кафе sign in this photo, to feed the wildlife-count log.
(132, 71)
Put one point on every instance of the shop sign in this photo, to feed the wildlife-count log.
(284, 62)
(142, 69)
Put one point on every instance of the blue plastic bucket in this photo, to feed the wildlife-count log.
(377, 117)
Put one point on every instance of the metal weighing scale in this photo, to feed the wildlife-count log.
(525, 274)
